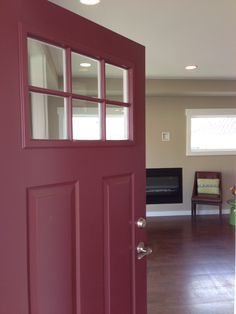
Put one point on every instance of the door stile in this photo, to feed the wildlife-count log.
(103, 96)
(69, 89)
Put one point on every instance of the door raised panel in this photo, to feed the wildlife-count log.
(118, 212)
(51, 239)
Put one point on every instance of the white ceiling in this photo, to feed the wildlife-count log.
(175, 33)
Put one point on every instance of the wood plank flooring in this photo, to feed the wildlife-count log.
(192, 268)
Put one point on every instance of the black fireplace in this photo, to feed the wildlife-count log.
(164, 186)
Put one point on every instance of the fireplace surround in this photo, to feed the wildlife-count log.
(164, 186)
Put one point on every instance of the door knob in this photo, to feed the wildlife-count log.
(143, 250)
(141, 223)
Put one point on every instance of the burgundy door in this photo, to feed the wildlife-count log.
(72, 188)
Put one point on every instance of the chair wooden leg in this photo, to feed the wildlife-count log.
(220, 209)
(193, 210)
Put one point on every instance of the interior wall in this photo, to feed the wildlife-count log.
(167, 114)
(166, 102)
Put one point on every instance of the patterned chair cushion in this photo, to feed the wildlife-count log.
(208, 186)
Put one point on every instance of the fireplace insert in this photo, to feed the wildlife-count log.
(164, 186)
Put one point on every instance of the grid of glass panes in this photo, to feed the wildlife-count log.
(99, 104)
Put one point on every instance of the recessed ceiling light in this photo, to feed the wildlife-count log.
(191, 67)
(89, 2)
(85, 65)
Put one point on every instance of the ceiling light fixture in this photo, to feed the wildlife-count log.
(89, 2)
(85, 65)
(191, 67)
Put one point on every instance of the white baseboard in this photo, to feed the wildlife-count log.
(165, 213)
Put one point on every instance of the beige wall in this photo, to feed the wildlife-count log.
(167, 113)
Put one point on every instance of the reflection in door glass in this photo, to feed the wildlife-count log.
(116, 83)
(86, 120)
(116, 123)
(48, 117)
(46, 65)
(85, 75)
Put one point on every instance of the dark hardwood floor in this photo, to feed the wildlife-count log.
(192, 268)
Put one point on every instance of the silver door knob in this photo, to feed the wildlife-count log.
(141, 223)
(143, 250)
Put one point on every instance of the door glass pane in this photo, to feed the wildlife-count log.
(86, 120)
(116, 83)
(48, 116)
(116, 123)
(85, 75)
(46, 65)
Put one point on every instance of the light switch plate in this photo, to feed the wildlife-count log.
(165, 136)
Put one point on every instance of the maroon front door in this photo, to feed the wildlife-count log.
(72, 165)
